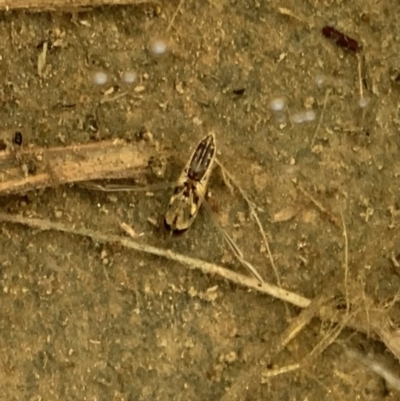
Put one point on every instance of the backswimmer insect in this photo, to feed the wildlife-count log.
(189, 194)
(191, 186)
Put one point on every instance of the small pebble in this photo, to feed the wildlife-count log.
(309, 102)
(139, 89)
(179, 88)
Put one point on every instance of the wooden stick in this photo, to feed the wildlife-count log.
(379, 320)
(253, 212)
(62, 5)
(192, 263)
(34, 168)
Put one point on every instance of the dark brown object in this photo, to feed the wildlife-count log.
(341, 39)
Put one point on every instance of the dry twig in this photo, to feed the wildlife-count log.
(279, 371)
(333, 219)
(328, 91)
(206, 267)
(346, 265)
(61, 165)
(232, 244)
(174, 15)
(255, 216)
(379, 321)
(63, 5)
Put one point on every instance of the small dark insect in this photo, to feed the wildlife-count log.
(341, 39)
(17, 138)
(191, 187)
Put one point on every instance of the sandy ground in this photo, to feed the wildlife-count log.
(86, 321)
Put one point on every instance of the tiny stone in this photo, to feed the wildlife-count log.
(139, 89)
(179, 88)
(148, 136)
(309, 102)
(109, 91)
(231, 357)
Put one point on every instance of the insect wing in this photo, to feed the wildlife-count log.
(182, 210)
(202, 159)
(191, 186)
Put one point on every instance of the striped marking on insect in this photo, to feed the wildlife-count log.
(191, 186)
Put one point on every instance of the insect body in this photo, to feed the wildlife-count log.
(189, 194)
(191, 186)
